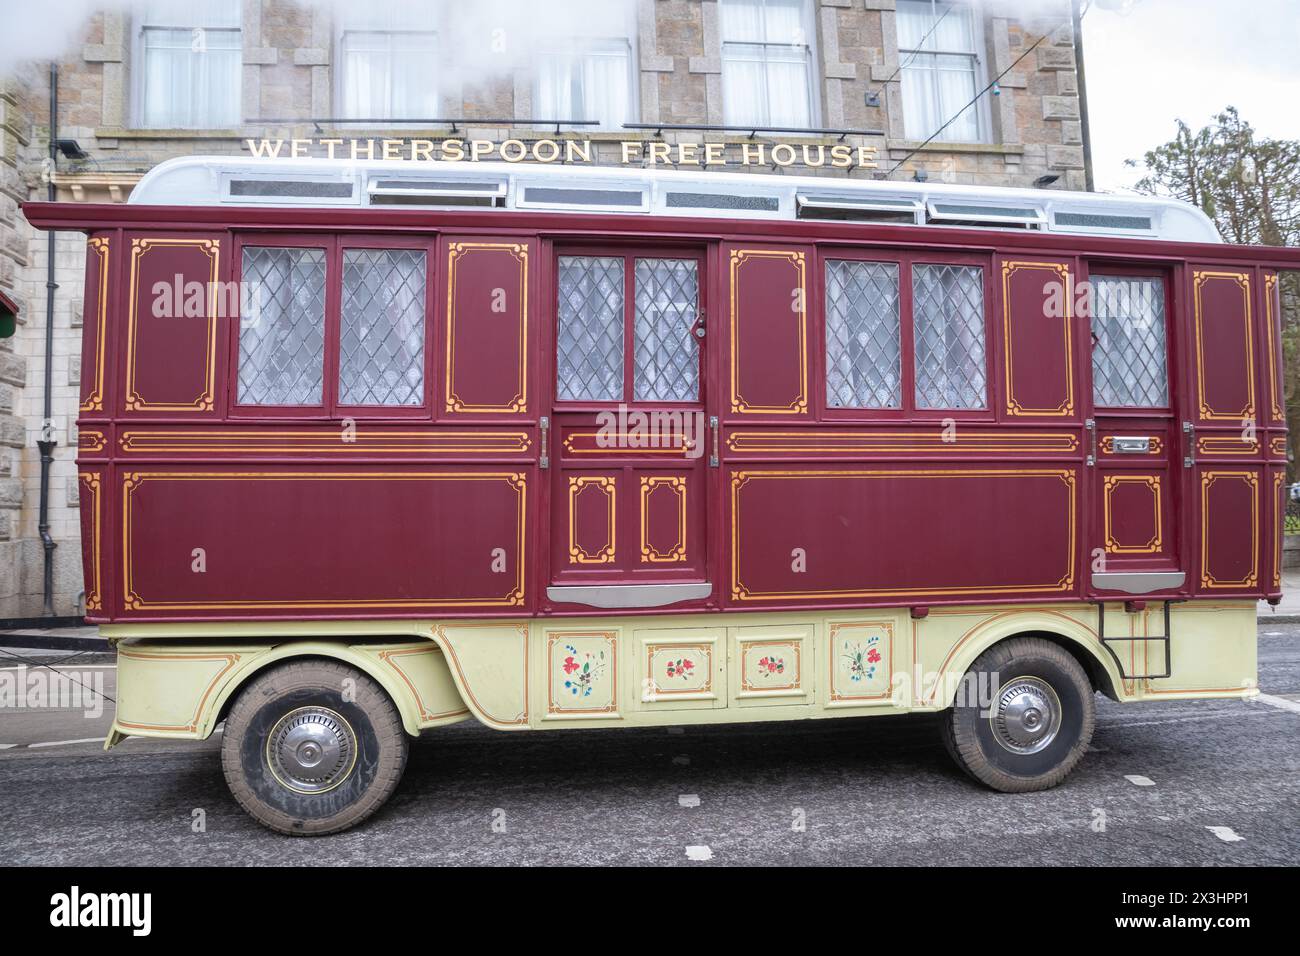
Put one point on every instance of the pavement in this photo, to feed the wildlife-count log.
(1288, 612)
(1177, 783)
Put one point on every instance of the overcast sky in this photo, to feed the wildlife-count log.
(1187, 59)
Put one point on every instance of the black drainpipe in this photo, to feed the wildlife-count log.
(47, 440)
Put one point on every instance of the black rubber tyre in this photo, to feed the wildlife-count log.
(358, 764)
(981, 745)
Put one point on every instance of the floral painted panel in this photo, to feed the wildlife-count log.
(679, 669)
(583, 672)
(861, 661)
(771, 666)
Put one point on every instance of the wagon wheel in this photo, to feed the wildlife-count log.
(312, 747)
(1034, 726)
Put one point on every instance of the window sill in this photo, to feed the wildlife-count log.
(987, 149)
(133, 132)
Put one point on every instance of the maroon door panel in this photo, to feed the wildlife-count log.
(890, 534)
(170, 360)
(1231, 525)
(770, 366)
(486, 326)
(1275, 384)
(94, 318)
(626, 517)
(1225, 359)
(319, 541)
(1038, 339)
(92, 501)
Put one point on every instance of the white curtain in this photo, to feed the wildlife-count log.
(388, 53)
(765, 63)
(592, 83)
(192, 59)
(938, 49)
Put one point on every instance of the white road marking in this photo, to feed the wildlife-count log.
(699, 853)
(63, 743)
(1226, 834)
(73, 665)
(7, 746)
(1281, 703)
(1225, 715)
(1138, 780)
(688, 800)
(682, 760)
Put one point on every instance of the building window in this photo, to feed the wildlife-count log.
(767, 77)
(191, 58)
(591, 80)
(863, 335)
(381, 336)
(948, 325)
(589, 352)
(388, 60)
(1128, 336)
(938, 51)
(282, 341)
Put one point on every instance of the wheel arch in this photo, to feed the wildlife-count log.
(1077, 639)
(368, 659)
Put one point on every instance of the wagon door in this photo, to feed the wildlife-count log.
(628, 437)
(1134, 438)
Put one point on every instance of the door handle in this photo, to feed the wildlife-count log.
(1091, 425)
(1189, 435)
(713, 454)
(544, 436)
(1131, 445)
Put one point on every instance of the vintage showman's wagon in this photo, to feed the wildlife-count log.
(368, 448)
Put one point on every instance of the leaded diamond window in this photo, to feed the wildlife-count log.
(863, 352)
(1128, 351)
(282, 331)
(667, 365)
(381, 336)
(948, 317)
(589, 351)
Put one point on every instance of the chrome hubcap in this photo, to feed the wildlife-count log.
(311, 749)
(1027, 715)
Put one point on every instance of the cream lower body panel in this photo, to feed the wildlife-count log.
(674, 669)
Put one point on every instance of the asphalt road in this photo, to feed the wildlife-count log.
(868, 791)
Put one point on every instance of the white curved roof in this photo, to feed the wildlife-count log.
(209, 181)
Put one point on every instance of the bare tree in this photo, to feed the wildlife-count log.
(1250, 186)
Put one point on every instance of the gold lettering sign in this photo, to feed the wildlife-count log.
(638, 153)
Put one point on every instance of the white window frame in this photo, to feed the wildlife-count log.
(978, 56)
(139, 74)
(814, 71)
(585, 46)
(441, 91)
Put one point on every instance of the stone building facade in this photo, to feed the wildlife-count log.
(148, 80)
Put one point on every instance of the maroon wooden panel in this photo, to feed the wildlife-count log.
(1231, 528)
(1225, 358)
(486, 326)
(1038, 339)
(325, 441)
(94, 326)
(627, 523)
(322, 541)
(770, 369)
(1275, 384)
(1135, 513)
(1276, 528)
(864, 535)
(92, 502)
(170, 355)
